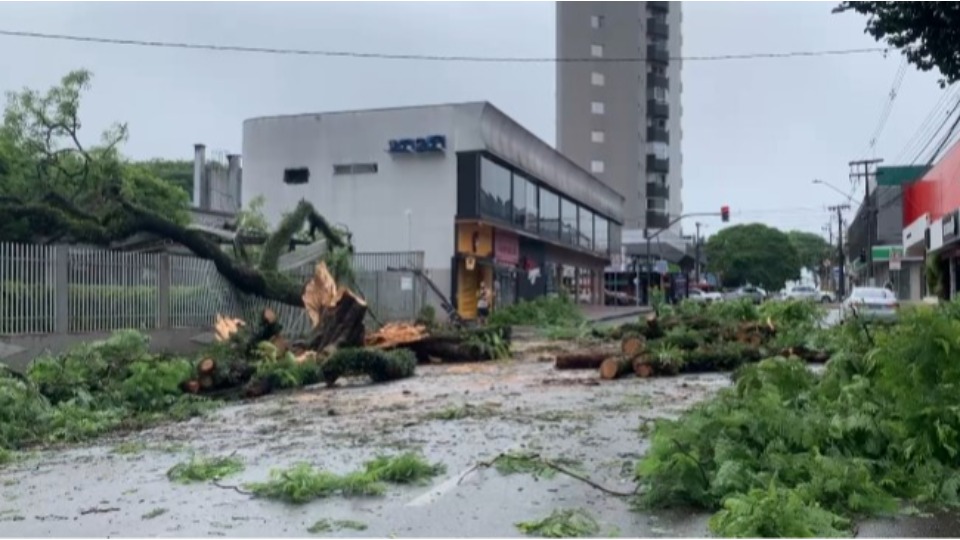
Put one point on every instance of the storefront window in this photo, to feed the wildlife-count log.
(601, 235)
(586, 228)
(532, 206)
(549, 214)
(520, 200)
(568, 217)
(495, 190)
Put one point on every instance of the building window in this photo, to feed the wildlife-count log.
(596, 21)
(597, 79)
(659, 150)
(601, 235)
(586, 228)
(296, 176)
(533, 205)
(657, 178)
(597, 107)
(495, 190)
(520, 200)
(596, 166)
(659, 205)
(568, 218)
(596, 51)
(597, 136)
(660, 94)
(355, 168)
(549, 213)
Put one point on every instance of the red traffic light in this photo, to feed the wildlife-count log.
(725, 213)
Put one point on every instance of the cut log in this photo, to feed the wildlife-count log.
(191, 387)
(341, 325)
(633, 345)
(396, 334)
(206, 366)
(581, 360)
(616, 367)
(642, 367)
(462, 345)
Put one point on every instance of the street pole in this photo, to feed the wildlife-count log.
(696, 250)
(871, 218)
(649, 236)
(841, 285)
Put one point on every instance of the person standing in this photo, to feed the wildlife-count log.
(483, 303)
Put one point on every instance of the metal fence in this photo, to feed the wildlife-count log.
(67, 289)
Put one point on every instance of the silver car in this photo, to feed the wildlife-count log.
(870, 303)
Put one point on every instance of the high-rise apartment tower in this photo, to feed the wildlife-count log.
(621, 119)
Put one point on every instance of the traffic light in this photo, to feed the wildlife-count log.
(725, 213)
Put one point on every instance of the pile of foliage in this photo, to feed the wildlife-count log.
(303, 483)
(91, 389)
(562, 523)
(542, 312)
(380, 366)
(204, 469)
(786, 452)
(722, 336)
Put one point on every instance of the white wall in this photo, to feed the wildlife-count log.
(372, 205)
(675, 124)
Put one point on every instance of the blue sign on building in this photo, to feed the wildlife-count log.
(420, 145)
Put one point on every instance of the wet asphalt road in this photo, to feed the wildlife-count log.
(525, 404)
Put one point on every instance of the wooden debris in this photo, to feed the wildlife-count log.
(581, 359)
(633, 345)
(396, 334)
(616, 367)
(642, 367)
(206, 366)
(225, 327)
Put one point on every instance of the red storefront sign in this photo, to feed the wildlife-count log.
(506, 248)
(937, 193)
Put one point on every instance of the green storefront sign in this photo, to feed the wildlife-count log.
(882, 253)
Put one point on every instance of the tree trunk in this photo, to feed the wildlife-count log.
(341, 326)
(633, 345)
(616, 367)
(642, 367)
(581, 360)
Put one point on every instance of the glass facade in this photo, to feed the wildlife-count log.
(520, 200)
(495, 190)
(568, 218)
(549, 214)
(513, 198)
(586, 228)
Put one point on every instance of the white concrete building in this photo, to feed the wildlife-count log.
(482, 197)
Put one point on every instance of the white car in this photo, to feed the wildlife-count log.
(806, 292)
(697, 295)
(870, 303)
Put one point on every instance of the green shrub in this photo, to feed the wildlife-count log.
(204, 469)
(380, 366)
(544, 311)
(23, 413)
(154, 384)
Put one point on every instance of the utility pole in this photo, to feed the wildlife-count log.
(871, 216)
(841, 285)
(696, 248)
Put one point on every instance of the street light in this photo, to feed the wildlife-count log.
(835, 188)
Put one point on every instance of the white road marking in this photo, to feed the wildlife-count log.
(442, 489)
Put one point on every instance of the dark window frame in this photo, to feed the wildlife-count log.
(296, 176)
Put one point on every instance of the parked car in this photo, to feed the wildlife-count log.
(697, 295)
(748, 292)
(870, 303)
(806, 292)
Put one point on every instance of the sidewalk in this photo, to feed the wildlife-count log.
(606, 313)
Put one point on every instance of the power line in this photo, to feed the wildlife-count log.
(888, 105)
(936, 133)
(424, 57)
(924, 129)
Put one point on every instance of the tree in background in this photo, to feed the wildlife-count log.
(178, 172)
(55, 188)
(811, 251)
(754, 254)
(928, 33)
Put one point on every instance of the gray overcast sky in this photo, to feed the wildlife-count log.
(755, 133)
